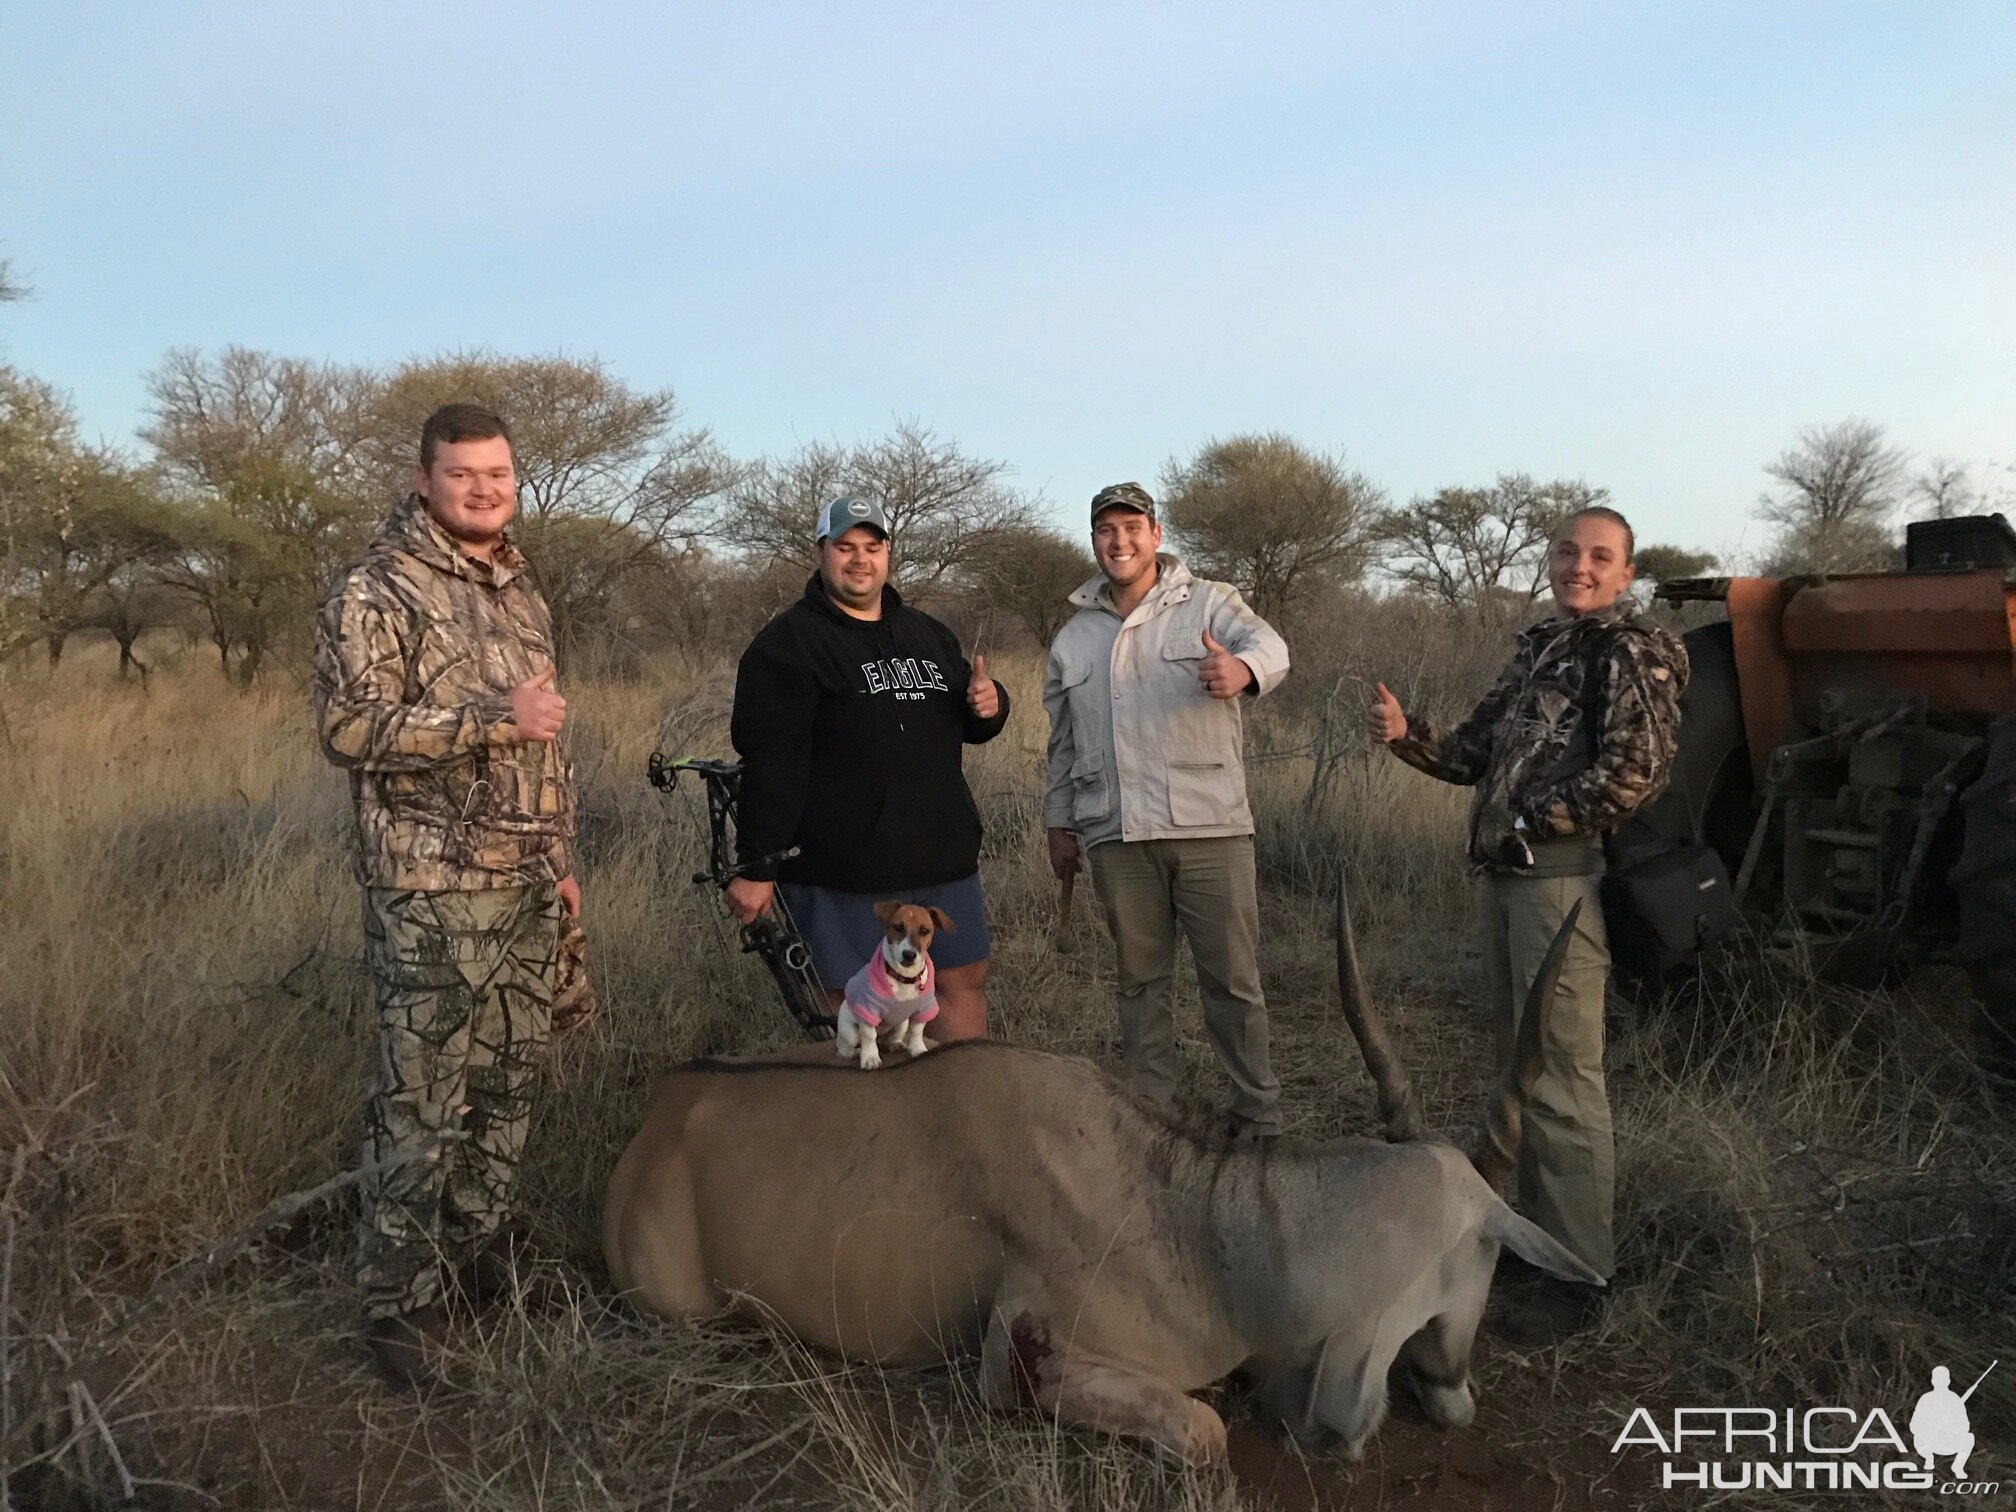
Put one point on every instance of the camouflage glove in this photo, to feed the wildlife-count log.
(574, 1000)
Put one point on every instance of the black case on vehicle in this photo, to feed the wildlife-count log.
(1662, 912)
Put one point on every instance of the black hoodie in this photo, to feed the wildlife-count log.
(850, 733)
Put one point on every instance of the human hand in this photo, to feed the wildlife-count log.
(983, 697)
(1222, 674)
(1502, 837)
(1065, 855)
(536, 709)
(747, 898)
(568, 891)
(1387, 720)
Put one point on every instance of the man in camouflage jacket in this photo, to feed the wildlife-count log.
(1579, 731)
(434, 688)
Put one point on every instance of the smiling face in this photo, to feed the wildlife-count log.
(854, 565)
(1590, 565)
(1125, 542)
(471, 490)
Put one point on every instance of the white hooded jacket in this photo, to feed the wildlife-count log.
(1138, 749)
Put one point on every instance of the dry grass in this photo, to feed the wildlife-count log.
(1817, 1197)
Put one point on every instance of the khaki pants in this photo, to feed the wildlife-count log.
(465, 984)
(1152, 889)
(1567, 1162)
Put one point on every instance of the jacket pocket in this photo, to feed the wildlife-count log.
(1181, 654)
(1204, 792)
(1091, 790)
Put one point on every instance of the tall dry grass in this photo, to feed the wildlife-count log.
(1816, 1195)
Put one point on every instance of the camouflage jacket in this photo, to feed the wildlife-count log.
(416, 653)
(1579, 730)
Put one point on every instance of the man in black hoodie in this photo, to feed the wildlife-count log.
(851, 709)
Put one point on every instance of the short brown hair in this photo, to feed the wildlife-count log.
(459, 422)
(1605, 512)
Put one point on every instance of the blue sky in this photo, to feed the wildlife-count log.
(1641, 244)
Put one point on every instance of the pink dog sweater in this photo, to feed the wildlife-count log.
(871, 993)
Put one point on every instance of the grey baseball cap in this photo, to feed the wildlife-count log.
(845, 512)
(1123, 496)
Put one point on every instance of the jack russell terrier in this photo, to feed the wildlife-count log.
(896, 994)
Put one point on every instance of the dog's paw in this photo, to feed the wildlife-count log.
(870, 1057)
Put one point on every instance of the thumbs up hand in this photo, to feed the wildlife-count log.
(982, 696)
(1388, 722)
(536, 709)
(1222, 674)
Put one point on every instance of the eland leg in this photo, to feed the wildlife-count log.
(1436, 1365)
(1021, 1366)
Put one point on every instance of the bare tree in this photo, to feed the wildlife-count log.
(1028, 575)
(1837, 488)
(1479, 548)
(1944, 490)
(767, 517)
(609, 486)
(1267, 513)
(943, 506)
(219, 420)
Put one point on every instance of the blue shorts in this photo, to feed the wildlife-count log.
(843, 931)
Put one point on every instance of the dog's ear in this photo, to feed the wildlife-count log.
(886, 912)
(942, 921)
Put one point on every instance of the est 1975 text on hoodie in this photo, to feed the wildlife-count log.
(850, 734)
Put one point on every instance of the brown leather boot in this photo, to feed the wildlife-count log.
(405, 1345)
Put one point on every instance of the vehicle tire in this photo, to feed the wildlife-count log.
(1985, 883)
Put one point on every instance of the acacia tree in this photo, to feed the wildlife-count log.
(1661, 564)
(71, 517)
(1837, 489)
(610, 488)
(1267, 513)
(1028, 573)
(1474, 548)
(944, 507)
(132, 601)
(267, 455)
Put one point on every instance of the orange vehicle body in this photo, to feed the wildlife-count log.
(1949, 635)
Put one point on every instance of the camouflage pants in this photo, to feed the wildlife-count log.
(465, 984)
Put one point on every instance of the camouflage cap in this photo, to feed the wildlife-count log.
(844, 513)
(1123, 496)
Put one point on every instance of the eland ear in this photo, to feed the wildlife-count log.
(886, 912)
(1536, 1246)
(942, 921)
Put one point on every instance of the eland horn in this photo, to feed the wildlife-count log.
(1497, 1150)
(1398, 1117)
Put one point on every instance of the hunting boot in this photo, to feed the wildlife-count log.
(1244, 1134)
(405, 1345)
(502, 1269)
(1552, 1311)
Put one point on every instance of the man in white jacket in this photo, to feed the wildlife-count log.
(1147, 778)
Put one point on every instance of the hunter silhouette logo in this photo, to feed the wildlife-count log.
(1939, 1424)
(1825, 1448)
